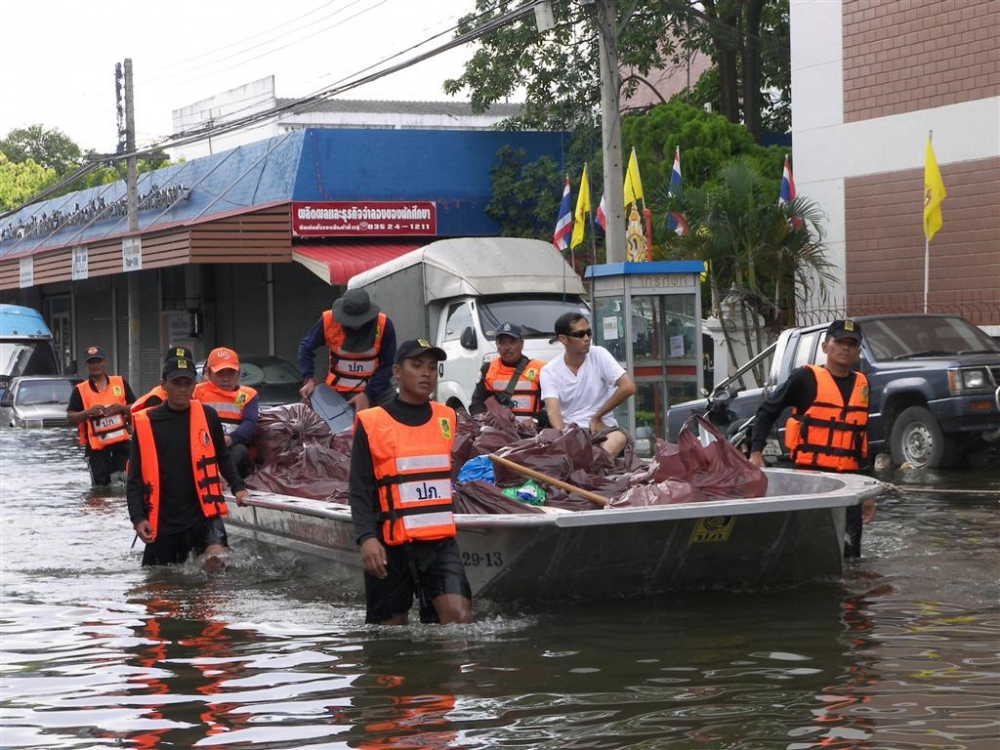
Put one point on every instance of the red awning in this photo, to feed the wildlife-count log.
(338, 263)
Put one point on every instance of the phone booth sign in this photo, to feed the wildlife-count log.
(648, 315)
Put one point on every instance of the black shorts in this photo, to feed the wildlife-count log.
(175, 548)
(107, 461)
(427, 569)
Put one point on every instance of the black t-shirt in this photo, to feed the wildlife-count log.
(179, 505)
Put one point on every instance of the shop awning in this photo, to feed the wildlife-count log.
(336, 264)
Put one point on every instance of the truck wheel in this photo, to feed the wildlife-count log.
(917, 439)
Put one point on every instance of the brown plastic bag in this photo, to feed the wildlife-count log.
(715, 466)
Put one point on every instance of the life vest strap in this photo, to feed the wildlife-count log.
(415, 477)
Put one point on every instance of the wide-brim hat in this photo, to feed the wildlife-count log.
(354, 309)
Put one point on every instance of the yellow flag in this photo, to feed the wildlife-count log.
(633, 184)
(582, 212)
(934, 193)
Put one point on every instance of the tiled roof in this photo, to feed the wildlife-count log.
(374, 106)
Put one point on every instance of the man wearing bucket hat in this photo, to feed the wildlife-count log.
(98, 407)
(400, 495)
(828, 426)
(362, 343)
(177, 455)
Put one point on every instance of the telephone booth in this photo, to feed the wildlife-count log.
(648, 315)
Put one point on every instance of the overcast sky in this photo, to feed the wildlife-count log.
(58, 56)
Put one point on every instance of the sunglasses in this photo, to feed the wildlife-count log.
(587, 333)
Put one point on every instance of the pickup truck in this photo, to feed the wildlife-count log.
(933, 382)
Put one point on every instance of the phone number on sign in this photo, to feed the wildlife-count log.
(477, 559)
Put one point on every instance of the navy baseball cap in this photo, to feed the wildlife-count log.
(92, 353)
(179, 363)
(416, 347)
(844, 329)
(510, 329)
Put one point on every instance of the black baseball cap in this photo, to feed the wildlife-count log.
(178, 362)
(415, 347)
(844, 329)
(92, 353)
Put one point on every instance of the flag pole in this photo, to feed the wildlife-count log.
(927, 242)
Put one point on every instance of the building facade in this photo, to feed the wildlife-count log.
(870, 80)
(245, 248)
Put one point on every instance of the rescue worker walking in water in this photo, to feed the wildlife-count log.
(99, 408)
(173, 488)
(401, 503)
(828, 427)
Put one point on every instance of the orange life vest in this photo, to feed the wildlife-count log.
(203, 461)
(228, 404)
(526, 397)
(142, 403)
(350, 371)
(830, 434)
(413, 474)
(100, 432)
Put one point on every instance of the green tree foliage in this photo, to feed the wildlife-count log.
(558, 70)
(49, 149)
(762, 256)
(19, 181)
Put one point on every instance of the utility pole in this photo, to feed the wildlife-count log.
(611, 131)
(132, 197)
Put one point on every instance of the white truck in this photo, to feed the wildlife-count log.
(456, 292)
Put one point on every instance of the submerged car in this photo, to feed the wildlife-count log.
(35, 401)
(276, 380)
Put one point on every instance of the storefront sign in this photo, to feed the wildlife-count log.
(27, 276)
(132, 254)
(81, 263)
(364, 218)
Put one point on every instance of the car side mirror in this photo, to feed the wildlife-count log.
(468, 339)
(7, 399)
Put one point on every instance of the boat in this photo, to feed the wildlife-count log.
(792, 535)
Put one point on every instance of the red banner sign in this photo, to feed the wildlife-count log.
(364, 218)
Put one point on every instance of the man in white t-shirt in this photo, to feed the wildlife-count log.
(584, 386)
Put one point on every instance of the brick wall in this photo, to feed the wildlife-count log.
(885, 242)
(906, 55)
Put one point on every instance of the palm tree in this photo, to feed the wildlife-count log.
(764, 258)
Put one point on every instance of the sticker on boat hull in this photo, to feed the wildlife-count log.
(713, 529)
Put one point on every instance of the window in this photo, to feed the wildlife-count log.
(459, 318)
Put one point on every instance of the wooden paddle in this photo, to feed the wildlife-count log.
(546, 479)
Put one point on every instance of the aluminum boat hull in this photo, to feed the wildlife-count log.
(793, 535)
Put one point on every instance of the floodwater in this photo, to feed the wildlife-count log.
(96, 652)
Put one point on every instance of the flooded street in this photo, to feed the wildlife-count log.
(97, 652)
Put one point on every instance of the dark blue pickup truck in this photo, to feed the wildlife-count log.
(933, 381)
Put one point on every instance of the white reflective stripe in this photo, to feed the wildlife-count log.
(105, 437)
(355, 368)
(423, 520)
(225, 409)
(105, 423)
(350, 383)
(229, 427)
(418, 491)
(521, 402)
(413, 463)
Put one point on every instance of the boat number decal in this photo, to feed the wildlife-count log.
(713, 529)
(485, 559)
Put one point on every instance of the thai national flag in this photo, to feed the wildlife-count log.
(564, 224)
(676, 221)
(787, 193)
(600, 219)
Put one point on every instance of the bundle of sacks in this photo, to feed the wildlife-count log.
(301, 457)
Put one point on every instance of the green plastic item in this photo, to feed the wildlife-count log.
(529, 492)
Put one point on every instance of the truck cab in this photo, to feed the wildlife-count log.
(457, 292)
(25, 344)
